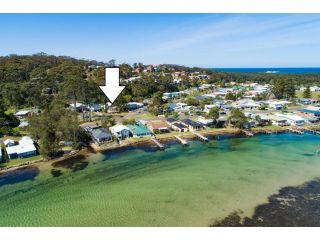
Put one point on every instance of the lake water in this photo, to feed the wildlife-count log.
(196, 185)
(302, 70)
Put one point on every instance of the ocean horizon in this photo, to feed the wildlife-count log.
(275, 70)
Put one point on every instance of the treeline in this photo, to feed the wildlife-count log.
(36, 80)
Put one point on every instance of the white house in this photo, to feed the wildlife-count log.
(25, 148)
(120, 131)
(293, 119)
(246, 104)
(205, 121)
(277, 104)
(279, 121)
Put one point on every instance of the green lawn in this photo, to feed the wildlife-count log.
(16, 162)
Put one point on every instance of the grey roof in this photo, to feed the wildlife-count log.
(100, 133)
(189, 122)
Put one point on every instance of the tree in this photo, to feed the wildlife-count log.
(237, 118)
(231, 96)
(74, 87)
(307, 93)
(214, 113)
(52, 126)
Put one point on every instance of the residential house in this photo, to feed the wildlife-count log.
(25, 148)
(279, 121)
(101, 135)
(178, 126)
(179, 107)
(26, 113)
(246, 104)
(120, 131)
(205, 121)
(192, 125)
(139, 130)
(95, 107)
(293, 119)
(134, 105)
(158, 126)
(79, 107)
(169, 95)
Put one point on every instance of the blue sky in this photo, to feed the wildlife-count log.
(208, 40)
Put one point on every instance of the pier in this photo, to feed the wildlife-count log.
(202, 138)
(305, 129)
(161, 146)
(296, 131)
(248, 133)
(182, 141)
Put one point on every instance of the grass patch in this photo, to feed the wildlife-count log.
(18, 161)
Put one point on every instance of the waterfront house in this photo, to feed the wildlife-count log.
(25, 148)
(205, 121)
(138, 130)
(120, 131)
(158, 126)
(101, 135)
(292, 119)
(192, 125)
(178, 126)
(279, 121)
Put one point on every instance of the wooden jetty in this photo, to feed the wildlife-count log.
(269, 132)
(199, 136)
(161, 146)
(248, 133)
(305, 129)
(182, 141)
(296, 131)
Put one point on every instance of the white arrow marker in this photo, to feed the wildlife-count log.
(112, 89)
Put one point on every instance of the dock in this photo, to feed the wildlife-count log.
(182, 141)
(305, 129)
(296, 131)
(161, 146)
(201, 137)
(248, 133)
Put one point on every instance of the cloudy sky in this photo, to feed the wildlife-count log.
(208, 40)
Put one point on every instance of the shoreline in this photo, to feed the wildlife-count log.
(162, 138)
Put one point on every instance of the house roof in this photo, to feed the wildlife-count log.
(119, 128)
(171, 120)
(8, 141)
(101, 133)
(157, 124)
(179, 125)
(138, 129)
(192, 123)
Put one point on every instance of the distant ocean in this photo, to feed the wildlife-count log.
(270, 70)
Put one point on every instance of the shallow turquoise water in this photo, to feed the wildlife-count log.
(181, 186)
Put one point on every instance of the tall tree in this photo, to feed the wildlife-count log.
(237, 118)
(307, 92)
